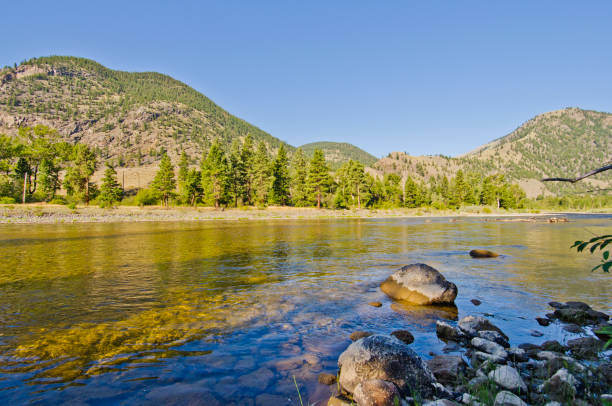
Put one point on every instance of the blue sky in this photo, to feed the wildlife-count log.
(424, 77)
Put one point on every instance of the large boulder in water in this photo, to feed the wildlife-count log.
(388, 359)
(420, 284)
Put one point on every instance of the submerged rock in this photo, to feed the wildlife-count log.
(483, 254)
(543, 321)
(386, 358)
(420, 284)
(326, 379)
(357, 335)
(375, 304)
(476, 302)
(376, 392)
(404, 336)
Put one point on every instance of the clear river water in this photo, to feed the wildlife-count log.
(241, 312)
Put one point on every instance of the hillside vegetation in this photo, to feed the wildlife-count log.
(337, 153)
(566, 142)
(130, 118)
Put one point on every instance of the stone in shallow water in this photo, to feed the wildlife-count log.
(488, 346)
(471, 325)
(375, 304)
(268, 399)
(543, 321)
(585, 347)
(326, 379)
(536, 333)
(483, 254)
(357, 335)
(404, 336)
(259, 379)
(420, 284)
(573, 328)
(447, 332)
(495, 337)
(476, 302)
(387, 358)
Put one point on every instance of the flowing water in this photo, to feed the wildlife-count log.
(232, 312)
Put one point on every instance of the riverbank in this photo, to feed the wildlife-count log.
(40, 213)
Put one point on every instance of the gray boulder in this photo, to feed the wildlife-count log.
(386, 358)
(446, 332)
(505, 398)
(561, 386)
(488, 346)
(585, 347)
(447, 368)
(508, 378)
(420, 284)
(494, 336)
(471, 325)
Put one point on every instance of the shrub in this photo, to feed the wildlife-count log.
(72, 205)
(487, 210)
(58, 200)
(146, 197)
(7, 200)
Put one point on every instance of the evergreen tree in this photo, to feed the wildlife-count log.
(214, 176)
(280, 178)
(164, 183)
(356, 181)
(393, 190)
(262, 175)
(236, 173)
(299, 176)
(78, 177)
(48, 178)
(319, 180)
(246, 157)
(414, 197)
(459, 190)
(192, 187)
(110, 190)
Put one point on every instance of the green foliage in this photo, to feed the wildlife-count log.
(607, 331)
(597, 243)
(262, 175)
(280, 178)
(78, 176)
(110, 190)
(319, 180)
(215, 176)
(299, 176)
(164, 183)
(146, 197)
(7, 200)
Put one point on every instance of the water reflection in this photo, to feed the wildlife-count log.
(126, 312)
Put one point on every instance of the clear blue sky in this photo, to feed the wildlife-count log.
(424, 77)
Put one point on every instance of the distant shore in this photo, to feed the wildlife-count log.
(57, 214)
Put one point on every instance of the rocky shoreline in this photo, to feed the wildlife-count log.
(382, 370)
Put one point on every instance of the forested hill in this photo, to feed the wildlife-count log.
(564, 143)
(337, 153)
(131, 118)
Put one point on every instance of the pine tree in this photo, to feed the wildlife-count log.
(280, 178)
(356, 179)
(48, 178)
(78, 177)
(214, 176)
(183, 172)
(246, 156)
(110, 190)
(413, 194)
(236, 173)
(299, 176)
(393, 190)
(319, 180)
(262, 175)
(192, 187)
(164, 183)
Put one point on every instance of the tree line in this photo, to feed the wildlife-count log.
(244, 174)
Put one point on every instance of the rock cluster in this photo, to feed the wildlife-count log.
(380, 370)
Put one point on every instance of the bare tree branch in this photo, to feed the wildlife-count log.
(596, 171)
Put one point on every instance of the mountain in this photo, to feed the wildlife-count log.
(336, 153)
(566, 143)
(129, 117)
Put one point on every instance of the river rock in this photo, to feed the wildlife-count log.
(580, 316)
(573, 328)
(404, 336)
(495, 337)
(441, 402)
(476, 302)
(505, 398)
(446, 332)
(497, 358)
(543, 321)
(326, 379)
(420, 284)
(376, 392)
(447, 368)
(553, 345)
(517, 354)
(471, 400)
(357, 335)
(508, 378)
(483, 254)
(375, 304)
(605, 372)
(387, 358)
(561, 386)
(489, 347)
(585, 347)
(471, 325)
(339, 401)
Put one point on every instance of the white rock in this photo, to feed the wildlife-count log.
(505, 398)
(470, 400)
(508, 378)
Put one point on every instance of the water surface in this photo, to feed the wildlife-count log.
(221, 312)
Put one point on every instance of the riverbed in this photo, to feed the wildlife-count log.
(243, 312)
